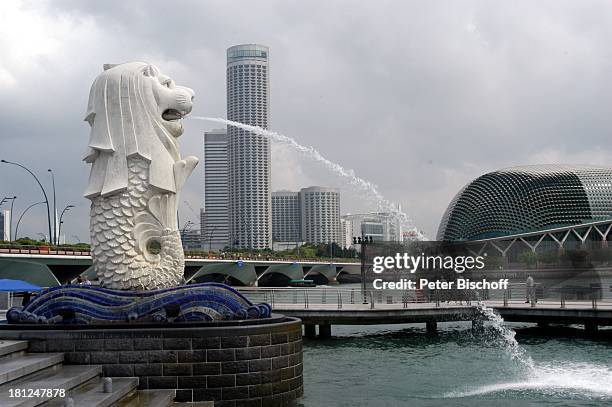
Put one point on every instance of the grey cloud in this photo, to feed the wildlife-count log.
(418, 97)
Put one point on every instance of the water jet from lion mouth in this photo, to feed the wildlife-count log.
(369, 188)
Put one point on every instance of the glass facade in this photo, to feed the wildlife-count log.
(526, 199)
(233, 55)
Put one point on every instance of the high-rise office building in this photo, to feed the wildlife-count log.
(215, 217)
(320, 209)
(381, 226)
(248, 94)
(346, 229)
(286, 218)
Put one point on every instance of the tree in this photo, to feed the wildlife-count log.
(529, 258)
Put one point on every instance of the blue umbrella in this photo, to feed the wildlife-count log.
(17, 285)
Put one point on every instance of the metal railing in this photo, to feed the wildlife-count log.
(519, 293)
(339, 298)
(351, 298)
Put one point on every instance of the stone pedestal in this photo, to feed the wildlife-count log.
(251, 362)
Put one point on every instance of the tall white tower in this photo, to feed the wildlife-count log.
(248, 95)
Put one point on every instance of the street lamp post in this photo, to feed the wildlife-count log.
(59, 228)
(11, 216)
(55, 225)
(363, 241)
(46, 201)
(22, 215)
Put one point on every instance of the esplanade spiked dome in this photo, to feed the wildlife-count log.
(528, 198)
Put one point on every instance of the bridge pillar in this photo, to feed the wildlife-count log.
(431, 327)
(591, 328)
(324, 331)
(310, 331)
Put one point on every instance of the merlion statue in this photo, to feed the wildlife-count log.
(137, 173)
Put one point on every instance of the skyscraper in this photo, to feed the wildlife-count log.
(381, 226)
(215, 219)
(320, 209)
(286, 218)
(346, 230)
(248, 94)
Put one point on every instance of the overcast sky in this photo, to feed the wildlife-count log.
(417, 97)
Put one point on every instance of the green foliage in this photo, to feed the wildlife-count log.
(529, 258)
(306, 251)
(26, 241)
(549, 257)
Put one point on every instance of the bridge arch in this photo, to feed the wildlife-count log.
(31, 271)
(292, 271)
(240, 272)
(326, 271)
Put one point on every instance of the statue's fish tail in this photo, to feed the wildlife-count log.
(122, 234)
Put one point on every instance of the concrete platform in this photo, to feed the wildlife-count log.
(543, 313)
(551, 312)
(360, 314)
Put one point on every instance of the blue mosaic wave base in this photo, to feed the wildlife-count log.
(82, 304)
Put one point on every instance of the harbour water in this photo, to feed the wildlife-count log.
(400, 365)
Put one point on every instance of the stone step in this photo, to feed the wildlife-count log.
(149, 398)
(8, 346)
(92, 394)
(55, 377)
(12, 368)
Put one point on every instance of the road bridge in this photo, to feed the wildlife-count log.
(47, 266)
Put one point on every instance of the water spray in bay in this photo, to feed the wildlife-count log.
(370, 189)
(565, 380)
(516, 352)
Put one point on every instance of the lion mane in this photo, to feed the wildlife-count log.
(125, 122)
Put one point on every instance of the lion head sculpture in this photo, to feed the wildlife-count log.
(134, 109)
